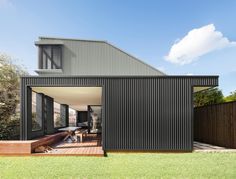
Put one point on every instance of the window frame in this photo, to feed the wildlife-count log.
(41, 59)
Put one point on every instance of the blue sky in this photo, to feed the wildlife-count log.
(146, 29)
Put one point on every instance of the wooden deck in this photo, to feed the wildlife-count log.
(20, 147)
(91, 146)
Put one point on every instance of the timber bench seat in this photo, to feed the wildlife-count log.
(48, 140)
(81, 134)
(18, 147)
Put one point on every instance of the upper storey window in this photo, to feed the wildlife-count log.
(50, 57)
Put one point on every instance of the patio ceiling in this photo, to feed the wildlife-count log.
(200, 88)
(77, 98)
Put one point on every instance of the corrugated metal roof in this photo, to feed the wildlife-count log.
(71, 39)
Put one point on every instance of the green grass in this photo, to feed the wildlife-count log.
(140, 165)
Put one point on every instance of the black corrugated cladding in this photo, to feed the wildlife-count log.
(139, 113)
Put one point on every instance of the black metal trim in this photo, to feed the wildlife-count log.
(126, 76)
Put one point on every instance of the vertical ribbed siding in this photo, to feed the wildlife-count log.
(139, 113)
(23, 130)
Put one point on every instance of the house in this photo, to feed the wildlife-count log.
(132, 104)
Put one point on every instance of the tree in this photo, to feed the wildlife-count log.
(231, 97)
(9, 94)
(206, 97)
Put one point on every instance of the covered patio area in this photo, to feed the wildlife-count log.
(60, 121)
(73, 110)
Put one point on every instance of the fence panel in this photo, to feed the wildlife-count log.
(216, 124)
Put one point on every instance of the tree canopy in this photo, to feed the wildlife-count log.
(9, 93)
(231, 97)
(210, 96)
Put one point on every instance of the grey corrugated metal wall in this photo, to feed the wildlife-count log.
(84, 57)
(139, 113)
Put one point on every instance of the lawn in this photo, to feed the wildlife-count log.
(145, 165)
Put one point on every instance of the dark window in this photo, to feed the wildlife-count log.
(36, 119)
(50, 57)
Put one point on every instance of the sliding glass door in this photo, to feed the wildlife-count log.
(95, 118)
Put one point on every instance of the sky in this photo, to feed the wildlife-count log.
(179, 37)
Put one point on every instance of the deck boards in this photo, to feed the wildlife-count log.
(90, 147)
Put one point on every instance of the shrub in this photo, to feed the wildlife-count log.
(10, 130)
(9, 97)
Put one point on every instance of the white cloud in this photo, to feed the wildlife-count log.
(197, 43)
(5, 4)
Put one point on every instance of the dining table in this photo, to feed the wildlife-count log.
(70, 132)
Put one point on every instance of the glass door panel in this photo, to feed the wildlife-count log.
(95, 118)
